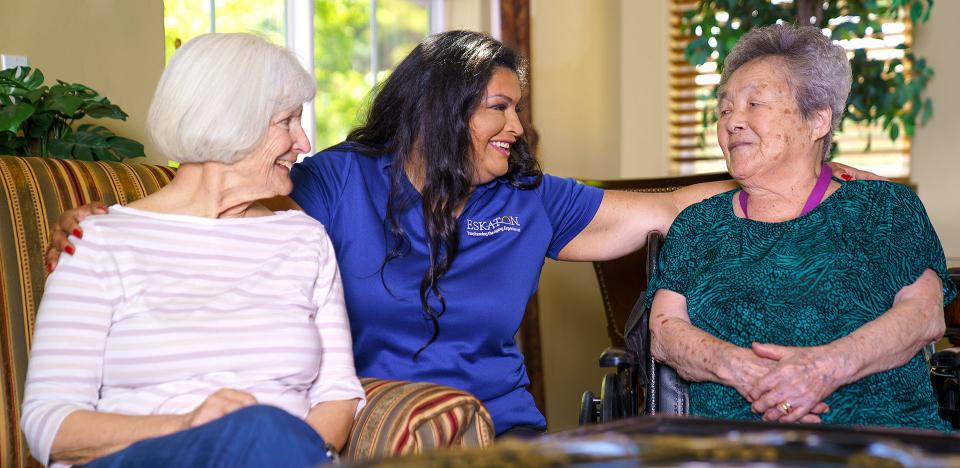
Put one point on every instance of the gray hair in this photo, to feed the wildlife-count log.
(818, 71)
(215, 100)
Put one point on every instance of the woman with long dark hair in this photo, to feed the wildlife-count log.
(441, 220)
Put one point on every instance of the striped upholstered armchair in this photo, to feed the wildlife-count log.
(400, 417)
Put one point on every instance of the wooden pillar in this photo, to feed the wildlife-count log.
(515, 33)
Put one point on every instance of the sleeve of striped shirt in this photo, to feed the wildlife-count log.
(65, 370)
(337, 379)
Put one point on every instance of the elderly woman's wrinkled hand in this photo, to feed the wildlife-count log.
(746, 369)
(796, 388)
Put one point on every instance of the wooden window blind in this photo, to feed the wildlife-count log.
(693, 145)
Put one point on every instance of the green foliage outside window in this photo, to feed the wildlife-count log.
(342, 61)
(186, 19)
(342, 45)
(888, 93)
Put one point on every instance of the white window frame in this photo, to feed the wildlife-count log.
(299, 29)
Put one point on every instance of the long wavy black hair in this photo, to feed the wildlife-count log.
(423, 111)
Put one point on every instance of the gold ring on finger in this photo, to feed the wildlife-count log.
(785, 407)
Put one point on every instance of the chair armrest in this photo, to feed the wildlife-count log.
(945, 377)
(667, 393)
(615, 356)
(403, 418)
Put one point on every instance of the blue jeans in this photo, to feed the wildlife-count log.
(255, 436)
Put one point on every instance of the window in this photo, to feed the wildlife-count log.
(693, 142)
(349, 44)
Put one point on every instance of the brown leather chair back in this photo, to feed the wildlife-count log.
(622, 280)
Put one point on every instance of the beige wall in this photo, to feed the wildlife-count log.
(576, 84)
(113, 46)
(644, 87)
(600, 108)
(936, 147)
(473, 15)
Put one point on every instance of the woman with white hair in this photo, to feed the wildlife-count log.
(195, 327)
(799, 297)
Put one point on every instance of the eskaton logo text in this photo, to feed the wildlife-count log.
(478, 228)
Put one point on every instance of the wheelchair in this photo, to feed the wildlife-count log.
(638, 384)
(624, 390)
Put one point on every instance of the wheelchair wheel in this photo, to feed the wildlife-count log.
(610, 398)
(589, 408)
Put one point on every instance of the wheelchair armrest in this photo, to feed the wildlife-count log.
(667, 392)
(945, 378)
(615, 356)
(946, 359)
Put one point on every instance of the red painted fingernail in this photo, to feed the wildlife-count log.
(846, 176)
(49, 267)
(77, 233)
(68, 249)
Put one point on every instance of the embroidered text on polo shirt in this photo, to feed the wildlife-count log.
(493, 226)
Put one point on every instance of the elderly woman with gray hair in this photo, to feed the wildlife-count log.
(799, 297)
(195, 327)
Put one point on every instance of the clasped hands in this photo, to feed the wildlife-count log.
(787, 384)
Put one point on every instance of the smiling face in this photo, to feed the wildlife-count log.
(495, 126)
(268, 166)
(761, 130)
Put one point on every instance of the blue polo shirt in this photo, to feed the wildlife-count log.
(505, 234)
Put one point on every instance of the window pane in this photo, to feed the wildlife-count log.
(265, 18)
(401, 25)
(182, 21)
(185, 19)
(343, 55)
(341, 65)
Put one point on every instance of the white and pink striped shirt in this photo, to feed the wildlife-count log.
(155, 312)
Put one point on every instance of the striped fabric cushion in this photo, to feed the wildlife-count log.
(399, 418)
(404, 418)
(33, 193)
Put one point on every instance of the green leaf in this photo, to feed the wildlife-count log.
(35, 79)
(64, 104)
(109, 111)
(60, 148)
(40, 124)
(894, 131)
(12, 116)
(32, 96)
(83, 153)
(126, 148)
(887, 119)
(24, 78)
(916, 11)
(843, 31)
(927, 112)
(11, 144)
(92, 143)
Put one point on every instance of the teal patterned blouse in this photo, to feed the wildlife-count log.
(808, 282)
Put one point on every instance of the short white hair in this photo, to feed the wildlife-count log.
(215, 100)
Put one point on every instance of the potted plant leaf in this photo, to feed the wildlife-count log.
(37, 120)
